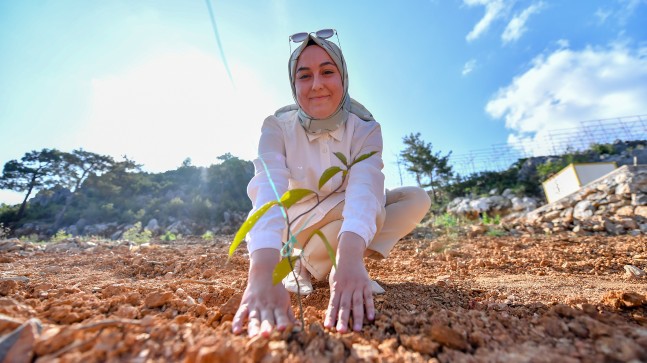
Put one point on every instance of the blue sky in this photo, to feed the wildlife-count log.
(146, 79)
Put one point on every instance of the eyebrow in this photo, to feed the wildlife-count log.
(321, 65)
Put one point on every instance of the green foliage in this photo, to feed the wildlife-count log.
(446, 220)
(117, 191)
(34, 171)
(602, 149)
(495, 232)
(137, 235)
(60, 236)
(168, 236)
(283, 268)
(430, 169)
(487, 220)
(552, 167)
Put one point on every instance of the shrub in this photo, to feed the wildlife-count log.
(168, 236)
(135, 234)
(208, 236)
(60, 236)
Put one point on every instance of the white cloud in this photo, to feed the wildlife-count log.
(468, 67)
(493, 10)
(566, 87)
(602, 15)
(517, 26)
(176, 106)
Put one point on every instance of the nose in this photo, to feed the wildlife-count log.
(317, 82)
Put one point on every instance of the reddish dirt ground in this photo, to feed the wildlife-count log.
(484, 299)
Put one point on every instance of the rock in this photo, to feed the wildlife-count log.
(612, 228)
(632, 271)
(8, 322)
(476, 230)
(364, 353)
(626, 211)
(448, 337)
(623, 300)
(152, 226)
(552, 215)
(567, 215)
(639, 199)
(620, 349)
(420, 344)
(583, 210)
(158, 299)
(641, 212)
(18, 346)
(622, 189)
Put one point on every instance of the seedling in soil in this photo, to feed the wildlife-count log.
(288, 199)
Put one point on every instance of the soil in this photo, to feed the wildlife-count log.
(483, 299)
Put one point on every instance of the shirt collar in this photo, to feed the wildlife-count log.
(338, 134)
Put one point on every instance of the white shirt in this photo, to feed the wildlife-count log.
(296, 159)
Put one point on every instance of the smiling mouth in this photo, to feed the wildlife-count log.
(319, 98)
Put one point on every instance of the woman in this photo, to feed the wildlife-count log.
(359, 220)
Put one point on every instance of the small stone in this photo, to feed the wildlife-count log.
(18, 346)
(448, 337)
(158, 299)
(626, 211)
(420, 344)
(632, 271)
(364, 353)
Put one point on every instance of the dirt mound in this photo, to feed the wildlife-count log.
(487, 299)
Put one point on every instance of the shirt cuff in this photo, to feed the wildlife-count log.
(360, 228)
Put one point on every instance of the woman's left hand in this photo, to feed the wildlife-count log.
(350, 288)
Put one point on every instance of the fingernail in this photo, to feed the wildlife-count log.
(357, 327)
(371, 316)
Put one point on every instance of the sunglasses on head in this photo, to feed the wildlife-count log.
(321, 34)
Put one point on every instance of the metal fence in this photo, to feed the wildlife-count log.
(500, 157)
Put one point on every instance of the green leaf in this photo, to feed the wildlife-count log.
(283, 268)
(363, 157)
(342, 157)
(331, 252)
(327, 174)
(249, 223)
(290, 197)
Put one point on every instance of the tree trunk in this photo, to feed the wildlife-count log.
(21, 211)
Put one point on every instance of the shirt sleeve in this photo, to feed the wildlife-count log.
(365, 190)
(270, 179)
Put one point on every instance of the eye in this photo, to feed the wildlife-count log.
(303, 76)
(328, 71)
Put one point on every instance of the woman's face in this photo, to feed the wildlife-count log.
(318, 83)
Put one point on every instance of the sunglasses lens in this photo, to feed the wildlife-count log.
(298, 37)
(325, 33)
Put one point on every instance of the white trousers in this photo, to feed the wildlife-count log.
(405, 207)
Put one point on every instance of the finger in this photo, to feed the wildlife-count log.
(333, 306)
(254, 323)
(282, 319)
(239, 318)
(267, 324)
(358, 309)
(344, 312)
(368, 303)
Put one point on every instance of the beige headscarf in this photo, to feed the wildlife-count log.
(347, 104)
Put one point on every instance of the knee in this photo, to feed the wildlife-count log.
(416, 197)
(422, 199)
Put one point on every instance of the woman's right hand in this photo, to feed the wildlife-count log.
(265, 306)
